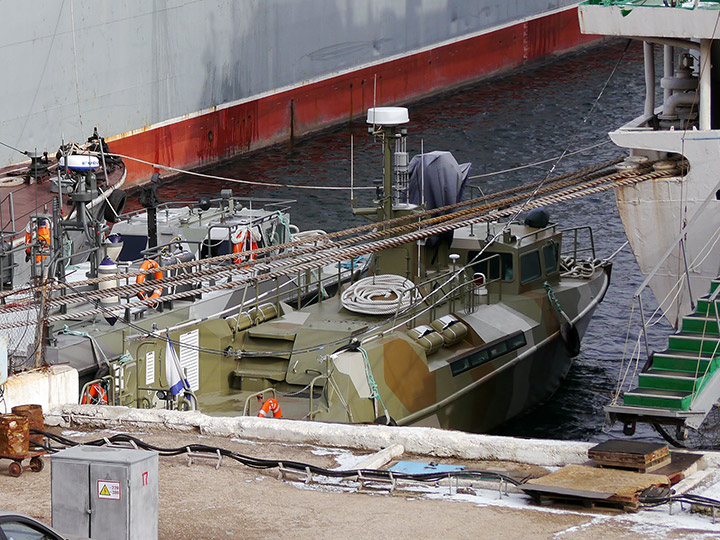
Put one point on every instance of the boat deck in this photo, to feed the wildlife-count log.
(22, 196)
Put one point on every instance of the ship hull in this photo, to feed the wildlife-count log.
(167, 89)
(526, 383)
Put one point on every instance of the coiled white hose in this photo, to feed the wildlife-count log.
(379, 295)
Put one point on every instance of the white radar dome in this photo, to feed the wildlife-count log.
(388, 116)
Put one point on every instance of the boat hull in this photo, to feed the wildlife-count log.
(508, 394)
(654, 213)
(520, 385)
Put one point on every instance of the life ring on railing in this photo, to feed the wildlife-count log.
(239, 247)
(96, 395)
(43, 235)
(149, 264)
(271, 409)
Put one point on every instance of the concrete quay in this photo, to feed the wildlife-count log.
(235, 501)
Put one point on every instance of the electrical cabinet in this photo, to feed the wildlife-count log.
(105, 493)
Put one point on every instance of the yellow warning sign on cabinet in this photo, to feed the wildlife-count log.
(108, 489)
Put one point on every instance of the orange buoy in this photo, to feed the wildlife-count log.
(155, 293)
(271, 409)
(96, 395)
(239, 247)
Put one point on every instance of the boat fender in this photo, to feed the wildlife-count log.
(149, 264)
(262, 313)
(96, 395)
(385, 421)
(270, 409)
(114, 205)
(203, 204)
(568, 333)
(570, 339)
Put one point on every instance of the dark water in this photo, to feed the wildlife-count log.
(515, 120)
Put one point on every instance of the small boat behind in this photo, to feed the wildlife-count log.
(54, 208)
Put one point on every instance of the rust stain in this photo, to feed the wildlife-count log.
(408, 377)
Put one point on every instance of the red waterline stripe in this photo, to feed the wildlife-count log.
(220, 134)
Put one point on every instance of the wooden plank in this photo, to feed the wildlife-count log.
(643, 468)
(597, 482)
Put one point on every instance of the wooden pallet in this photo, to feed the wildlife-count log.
(630, 455)
(593, 486)
(545, 496)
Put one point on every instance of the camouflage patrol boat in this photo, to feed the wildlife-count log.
(465, 322)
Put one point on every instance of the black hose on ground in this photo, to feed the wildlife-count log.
(259, 463)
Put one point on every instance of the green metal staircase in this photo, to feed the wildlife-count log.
(682, 383)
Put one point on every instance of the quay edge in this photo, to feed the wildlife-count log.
(370, 437)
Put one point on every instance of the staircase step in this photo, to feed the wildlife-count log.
(699, 324)
(661, 379)
(714, 285)
(661, 399)
(705, 307)
(684, 361)
(694, 343)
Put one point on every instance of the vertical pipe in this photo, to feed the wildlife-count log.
(649, 56)
(644, 324)
(668, 68)
(705, 84)
(352, 169)
(12, 211)
(388, 138)
(422, 173)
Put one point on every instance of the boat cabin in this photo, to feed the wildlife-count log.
(518, 260)
(208, 228)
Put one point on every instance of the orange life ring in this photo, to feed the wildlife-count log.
(96, 395)
(43, 237)
(149, 264)
(240, 247)
(271, 409)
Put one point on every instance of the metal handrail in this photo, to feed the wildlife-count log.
(576, 242)
(551, 227)
(312, 412)
(217, 202)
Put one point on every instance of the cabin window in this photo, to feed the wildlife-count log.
(133, 245)
(550, 256)
(495, 350)
(530, 266)
(492, 266)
